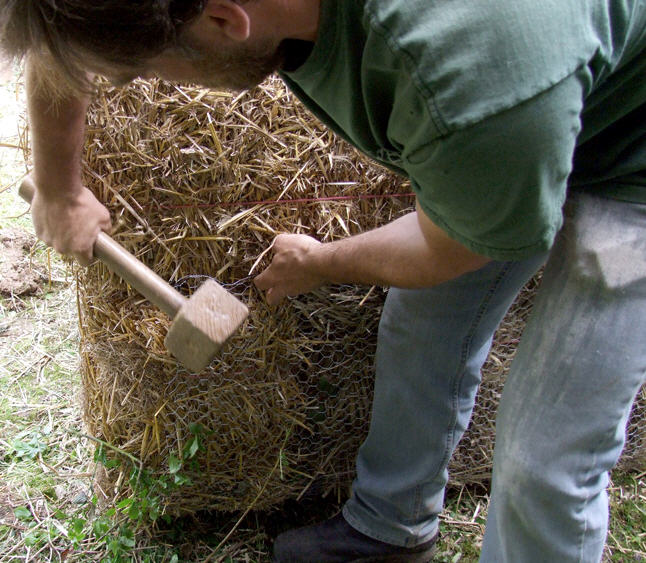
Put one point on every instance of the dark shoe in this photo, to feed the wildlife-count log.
(335, 541)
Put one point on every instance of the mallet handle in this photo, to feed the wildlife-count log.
(126, 266)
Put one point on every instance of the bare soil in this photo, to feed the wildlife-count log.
(7, 504)
(18, 277)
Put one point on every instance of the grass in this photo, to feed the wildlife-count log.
(47, 466)
(627, 536)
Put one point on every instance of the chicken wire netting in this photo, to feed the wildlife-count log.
(337, 375)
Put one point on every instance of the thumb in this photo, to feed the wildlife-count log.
(260, 281)
(274, 296)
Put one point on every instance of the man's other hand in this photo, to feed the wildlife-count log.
(293, 268)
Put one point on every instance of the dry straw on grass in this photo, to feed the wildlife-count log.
(199, 183)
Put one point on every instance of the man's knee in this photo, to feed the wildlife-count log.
(539, 468)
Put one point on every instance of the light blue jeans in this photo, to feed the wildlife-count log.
(561, 420)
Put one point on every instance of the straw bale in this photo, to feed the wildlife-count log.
(286, 405)
(199, 183)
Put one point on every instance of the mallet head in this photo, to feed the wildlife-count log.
(203, 324)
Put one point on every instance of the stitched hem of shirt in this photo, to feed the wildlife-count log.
(502, 254)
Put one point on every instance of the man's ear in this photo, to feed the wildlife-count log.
(230, 17)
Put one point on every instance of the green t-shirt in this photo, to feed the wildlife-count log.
(491, 108)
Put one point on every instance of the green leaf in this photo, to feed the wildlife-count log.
(110, 463)
(134, 512)
(140, 477)
(174, 464)
(76, 531)
(126, 537)
(174, 558)
(22, 513)
(153, 513)
(101, 526)
(36, 538)
(51, 494)
(115, 547)
(29, 449)
(194, 447)
(125, 503)
(77, 525)
(99, 455)
(182, 479)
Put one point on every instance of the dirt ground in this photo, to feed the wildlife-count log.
(18, 277)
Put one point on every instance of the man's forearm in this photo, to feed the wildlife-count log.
(410, 252)
(57, 125)
(397, 254)
(66, 215)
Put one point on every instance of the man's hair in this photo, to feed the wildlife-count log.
(123, 32)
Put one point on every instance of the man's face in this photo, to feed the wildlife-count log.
(236, 66)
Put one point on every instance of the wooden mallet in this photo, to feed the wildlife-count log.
(201, 324)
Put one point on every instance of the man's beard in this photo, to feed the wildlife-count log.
(237, 69)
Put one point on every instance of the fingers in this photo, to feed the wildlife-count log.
(268, 278)
(266, 281)
(273, 296)
(84, 257)
(291, 271)
(70, 224)
(105, 222)
(274, 278)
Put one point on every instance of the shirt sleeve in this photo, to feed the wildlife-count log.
(498, 187)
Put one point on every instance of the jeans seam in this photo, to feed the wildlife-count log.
(495, 285)
(417, 506)
(585, 519)
(591, 468)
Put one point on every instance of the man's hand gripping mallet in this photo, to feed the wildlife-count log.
(201, 324)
